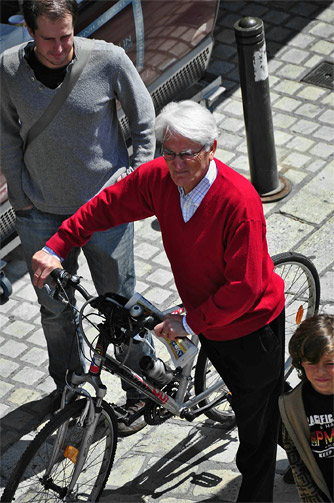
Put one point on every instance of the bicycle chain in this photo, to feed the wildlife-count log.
(154, 413)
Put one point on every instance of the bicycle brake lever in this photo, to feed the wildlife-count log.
(55, 294)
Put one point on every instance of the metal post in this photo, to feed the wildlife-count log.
(253, 69)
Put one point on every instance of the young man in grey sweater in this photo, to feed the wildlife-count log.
(80, 152)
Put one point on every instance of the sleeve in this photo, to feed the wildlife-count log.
(124, 202)
(307, 488)
(11, 148)
(137, 105)
(244, 281)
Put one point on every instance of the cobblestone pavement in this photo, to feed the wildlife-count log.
(196, 461)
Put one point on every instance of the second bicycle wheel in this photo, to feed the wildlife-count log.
(205, 376)
(302, 294)
(32, 480)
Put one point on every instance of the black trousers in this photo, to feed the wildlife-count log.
(253, 369)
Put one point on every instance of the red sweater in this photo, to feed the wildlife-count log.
(219, 258)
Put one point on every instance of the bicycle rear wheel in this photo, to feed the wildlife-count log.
(205, 376)
(29, 482)
(302, 294)
(302, 298)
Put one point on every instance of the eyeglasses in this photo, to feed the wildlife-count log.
(185, 156)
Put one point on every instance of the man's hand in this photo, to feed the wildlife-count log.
(171, 328)
(43, 264)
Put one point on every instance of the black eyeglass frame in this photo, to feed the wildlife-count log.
(185, 156)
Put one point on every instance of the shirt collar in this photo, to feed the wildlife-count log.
(203, 185)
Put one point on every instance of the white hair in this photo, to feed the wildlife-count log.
(188, 119)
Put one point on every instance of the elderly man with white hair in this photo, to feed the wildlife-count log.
(214, 234)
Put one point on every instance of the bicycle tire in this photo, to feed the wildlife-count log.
(26, 481)
(205, 376)
(302, 299)
(302, 294)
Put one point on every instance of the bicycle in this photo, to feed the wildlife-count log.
(71, 457)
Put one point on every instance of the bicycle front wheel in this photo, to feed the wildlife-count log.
(33, 480)
(205, 376)
(302, 294)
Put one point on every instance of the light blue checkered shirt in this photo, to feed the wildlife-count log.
(189, 204)
(191, 201)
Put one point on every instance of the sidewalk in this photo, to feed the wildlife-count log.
(181, 461)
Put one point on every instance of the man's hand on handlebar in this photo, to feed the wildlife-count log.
(171, 328)
(43, 264)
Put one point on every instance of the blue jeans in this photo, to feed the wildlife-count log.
(110, 258)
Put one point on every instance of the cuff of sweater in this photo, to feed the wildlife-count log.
(51, 252)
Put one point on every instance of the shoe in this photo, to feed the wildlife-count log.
(288, 476)
(132, 406)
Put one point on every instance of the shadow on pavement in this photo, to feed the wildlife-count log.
(177, 467)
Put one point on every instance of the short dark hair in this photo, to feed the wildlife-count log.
(313, 339)
(53, 9)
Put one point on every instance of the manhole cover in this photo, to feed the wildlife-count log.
(322, 75)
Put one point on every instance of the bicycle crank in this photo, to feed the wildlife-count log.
(154, 413)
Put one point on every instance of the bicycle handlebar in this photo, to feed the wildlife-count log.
(110, 305)
(64, 279)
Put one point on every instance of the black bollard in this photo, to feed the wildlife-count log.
(253, 70)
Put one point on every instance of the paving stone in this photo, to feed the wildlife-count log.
(12, 348)
(161, 259)
(296, 56)
(291, 71)
(160, 276)
(323, 30)
(226, 484)
(146, 250)
(142, 268)
(283, 120)
(319, 245)
(5, 387)
(322, 149)
(35, 356)
(3, 409)
(296, 160)
(318, 206)
(311, 93)
(19, 328)
(327, 287)
(7, 367)
(300, 143)
(27, 292)
(313, 61)
(229, 141)
(28, 375)
(38, 338)
(287, 87)
(325, 133)
(323, 47)
(304, 126)
(26, 310)
(158, 296)
(295, 176)
(283, 233)
(281, 138)
(23, 395)
(287, 104)
(308, 110)
(327, 115)
(9, 305)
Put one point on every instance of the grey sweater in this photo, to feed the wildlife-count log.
(82, 150)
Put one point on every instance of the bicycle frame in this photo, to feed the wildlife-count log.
(176, 406)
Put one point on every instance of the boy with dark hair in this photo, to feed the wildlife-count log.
(308, 410)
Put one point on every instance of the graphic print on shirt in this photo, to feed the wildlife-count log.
(322, 433)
